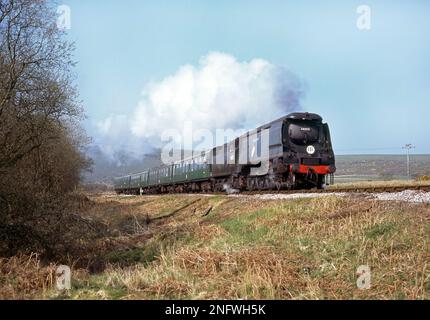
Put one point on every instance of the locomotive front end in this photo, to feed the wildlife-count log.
(308, 152)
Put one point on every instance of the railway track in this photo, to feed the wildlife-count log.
(364, 189)
(331, 189)
(425, 188)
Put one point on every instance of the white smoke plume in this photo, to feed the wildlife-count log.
(219, 93)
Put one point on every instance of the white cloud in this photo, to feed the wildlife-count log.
(220, 92)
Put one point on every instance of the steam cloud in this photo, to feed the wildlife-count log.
(220, 92)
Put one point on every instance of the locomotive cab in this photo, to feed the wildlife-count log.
(307, 150)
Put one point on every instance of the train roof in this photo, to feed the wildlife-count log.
(305, 116)
(294, 115)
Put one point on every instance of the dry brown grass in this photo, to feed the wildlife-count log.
(423, 178)
(252, 273)
(23, 277)
(252, 249)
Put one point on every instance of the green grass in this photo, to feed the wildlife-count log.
(127, 257)
(97, 287)
(381, 229)
(245, 229)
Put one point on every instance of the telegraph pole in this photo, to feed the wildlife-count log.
(408, 148)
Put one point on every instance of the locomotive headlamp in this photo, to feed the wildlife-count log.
(310, 149)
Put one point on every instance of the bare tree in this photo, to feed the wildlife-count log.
(41, 144)
(35, 81)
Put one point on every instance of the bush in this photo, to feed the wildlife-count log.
(423, 178)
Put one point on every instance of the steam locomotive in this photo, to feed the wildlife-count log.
(300, 156)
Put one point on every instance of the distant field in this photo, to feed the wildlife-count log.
(351, 168)
(363, 178)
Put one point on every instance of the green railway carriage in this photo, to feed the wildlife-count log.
(153, 177)
(122, 183)
(145, 179)
(193, 169)
(197, 169)
(131, 182)
(189, 170)
(185, 172)
(135, 181)
(165, 176)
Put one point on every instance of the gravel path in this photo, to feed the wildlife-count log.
(407, 196)
(280, 196)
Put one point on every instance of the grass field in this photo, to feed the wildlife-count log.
(220, 247)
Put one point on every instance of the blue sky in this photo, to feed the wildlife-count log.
(372, 86)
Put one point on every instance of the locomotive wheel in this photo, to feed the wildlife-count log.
(250, 185)
(291, 181)
(320, 182)
(260, 184)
